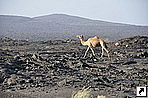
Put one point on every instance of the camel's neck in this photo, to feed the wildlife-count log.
(83, 42)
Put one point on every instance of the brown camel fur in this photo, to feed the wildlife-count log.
(93, 42)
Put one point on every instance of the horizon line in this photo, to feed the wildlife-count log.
(27, 16)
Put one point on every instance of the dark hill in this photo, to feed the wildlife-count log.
(61, 26)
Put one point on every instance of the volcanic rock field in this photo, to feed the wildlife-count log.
(56, 68)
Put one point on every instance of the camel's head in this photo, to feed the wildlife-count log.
(80, 36)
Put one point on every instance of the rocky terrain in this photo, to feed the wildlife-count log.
(56, 68)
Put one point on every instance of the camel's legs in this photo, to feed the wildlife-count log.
(103, 47)
(92, 51)
(86, 52)
(102, 53)
(107, 52)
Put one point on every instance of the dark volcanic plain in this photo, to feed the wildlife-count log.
(56, 68)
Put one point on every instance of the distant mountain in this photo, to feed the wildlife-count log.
(61, 26)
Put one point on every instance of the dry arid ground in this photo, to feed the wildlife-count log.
(57, 69)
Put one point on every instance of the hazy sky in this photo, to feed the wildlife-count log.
(123, 11)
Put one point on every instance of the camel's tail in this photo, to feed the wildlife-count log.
(105, 45)
(105, 40)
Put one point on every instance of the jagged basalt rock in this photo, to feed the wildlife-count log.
(60, 64)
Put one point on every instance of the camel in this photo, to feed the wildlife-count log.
(93, 42)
